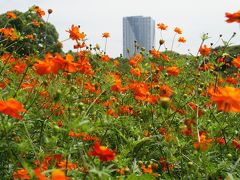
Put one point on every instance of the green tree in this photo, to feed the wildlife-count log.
(34, 35)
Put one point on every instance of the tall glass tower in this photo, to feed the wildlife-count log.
(140, 29)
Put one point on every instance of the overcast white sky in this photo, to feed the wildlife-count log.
(194, 17)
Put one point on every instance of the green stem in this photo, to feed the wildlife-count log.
(19, 86)
(173, 41)
(105, 47)
(30, 140)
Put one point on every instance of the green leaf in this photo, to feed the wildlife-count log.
(142, 177)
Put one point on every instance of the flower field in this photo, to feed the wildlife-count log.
(84, 115)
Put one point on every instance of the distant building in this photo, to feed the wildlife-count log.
(140, 29)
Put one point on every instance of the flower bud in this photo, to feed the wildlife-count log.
(97, 46)
(161, 42)
(201, 85)
(165, 102)
(50, 11)
(59, 45)
(199, 90)
(229, 155)
(127, 169)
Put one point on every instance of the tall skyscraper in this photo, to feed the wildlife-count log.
(140, 29)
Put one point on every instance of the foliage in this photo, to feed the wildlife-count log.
(231, 50)
(83, 115)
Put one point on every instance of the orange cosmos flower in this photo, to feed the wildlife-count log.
(7, 58)
(126, 110)
(12, 107)
(134, 60)
(84, 66)
(20, 67)
(165, 57)
(189, 122)
(236, 62)
(188, 130)
(165, 165)
(150, 169)
(47, 162)
(231, 80)
(156, 68)
(43, 67)
(90, 87)
(194, 107)
(59, 175)
(204, 50)
(236, 144)
(178, 30)
(39, 174)
(155, 53)
(117, 87)
(135, 72)
(116, 63)
(35, 23)
(30, 36)
(21, 174)
(75, 34)
(69, 65)
(104, 153)
(207, 66)
(69, 165)
(173, 71)
(227, 98)
(233, 17)
(111, 112)
(11, 15)
(9, 33)
(71, 134)
(162, 26)
(153, 99)
(39, 11)
(79, 45)
(204, 143)
(141, 91)
(57, 109)
(220, 140)
(165, 91)
(109, 102)
(4, 83)
(122, 171)
(181, 40)
(49, 65)
(105, 58)
(162, 131)
(105, 35)
(180, 111)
